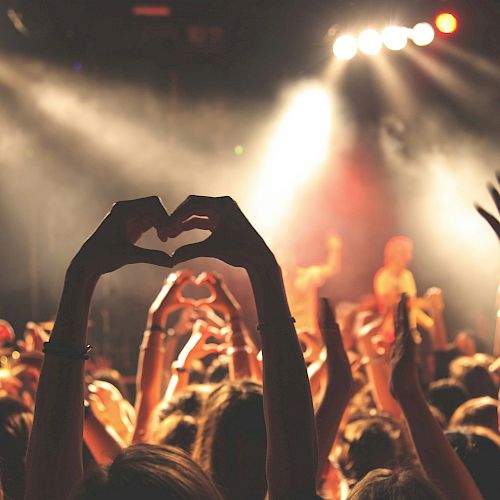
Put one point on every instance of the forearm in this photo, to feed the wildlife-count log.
(328, 418)
(102, 441)
(439, 460)
(288, 411)
(149, 380)
(378, 372)
(178, 380)
(54, 462)
(239, 351)
(440, 335)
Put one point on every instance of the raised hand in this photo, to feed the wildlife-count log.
(491, 219)
(109, 406)
(112, 245)
(196, 347)
(338, 390)
(233, 239)
(223, 300)
(337, 361)
(404, 374)
(167, 300)
(441, 464)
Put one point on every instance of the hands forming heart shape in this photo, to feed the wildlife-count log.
(203, 283)
(232, 240)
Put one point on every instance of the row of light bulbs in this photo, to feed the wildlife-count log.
(370, 42)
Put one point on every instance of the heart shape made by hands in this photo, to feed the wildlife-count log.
(199, 286)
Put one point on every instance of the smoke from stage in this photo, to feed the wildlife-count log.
(304, 163)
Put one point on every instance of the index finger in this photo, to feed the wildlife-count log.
(150, 207)
(193, 205)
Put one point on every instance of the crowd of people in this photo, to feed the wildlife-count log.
(372, 401)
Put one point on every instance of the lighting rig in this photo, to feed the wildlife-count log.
(371, 42)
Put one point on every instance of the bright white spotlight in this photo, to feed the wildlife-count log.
(370, 42)
(422, 34)
(297, 148)
(395, 37)
(345, 47)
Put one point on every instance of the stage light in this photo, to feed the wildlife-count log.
(422, 34)
(345, 47)
(446, 23)
(395, 37)
(370, 42)
(297, 148)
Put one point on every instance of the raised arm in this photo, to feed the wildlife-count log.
(195, 348)
(157, 351)
(241, 349)
(377, 369)
(54, 463)
(441, 463)
(338, 389)
(288, 411)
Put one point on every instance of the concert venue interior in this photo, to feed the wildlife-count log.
(326, 121)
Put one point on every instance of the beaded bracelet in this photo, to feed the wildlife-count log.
(65, 351)
(178, 367)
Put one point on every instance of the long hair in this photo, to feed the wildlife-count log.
(231, 441)
(151, 472)
(385, 484)
(16, 421)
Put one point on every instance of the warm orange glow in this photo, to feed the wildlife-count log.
(446, 23)
(151, 11)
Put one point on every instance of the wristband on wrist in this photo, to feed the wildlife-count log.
(268, 325)
(66, 351)
(178, 367)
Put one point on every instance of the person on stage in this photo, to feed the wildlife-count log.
(302, 283)
(392, 280)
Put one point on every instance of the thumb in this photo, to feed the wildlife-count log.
(146, 256)
(191, 251)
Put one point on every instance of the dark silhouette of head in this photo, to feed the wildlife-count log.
(368, 443)
(231, 441)
(479, 450)
(151, 472)
(447, 395)
(478, 411)
(386, 484)
(16, 420)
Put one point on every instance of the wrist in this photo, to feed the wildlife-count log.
(79, 270)
(406, 390)
(269, 291)
(157, 318)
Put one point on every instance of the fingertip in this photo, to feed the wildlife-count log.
(162, 234)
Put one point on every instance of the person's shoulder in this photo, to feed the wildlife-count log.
(382, 274)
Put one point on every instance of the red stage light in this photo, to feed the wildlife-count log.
(151, 11)
(446, 23)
